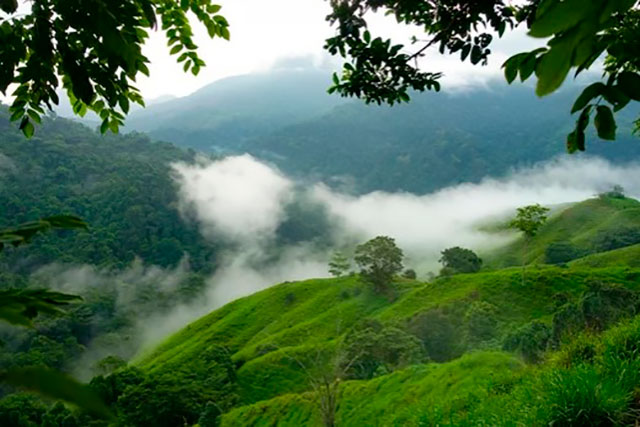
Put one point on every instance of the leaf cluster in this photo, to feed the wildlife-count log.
(23, 233)
(94, 49)
(578, 33)
(380, 71)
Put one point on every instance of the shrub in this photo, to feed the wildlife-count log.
(440, 334)
(614, 238)
(530, 341)
(561, 252)
(481, 321)
(372, 348)
(409, 274)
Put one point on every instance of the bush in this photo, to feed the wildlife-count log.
(561, 252)
(614, 238)
(409, 274)
(599, 306)
(370, 349)
(440, 334)
(481, 321)
(530, 341)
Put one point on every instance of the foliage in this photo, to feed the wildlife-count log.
(56, 385)
(481, 321)
(561, 252)
(378, 70)
(409, 273)
(372, 349)
(105, 180)
(460, 260)
(19, 307)
(529, 219)
(95, 50)
(617, 237)
(438, 330)
(23, 233)
(530, 341)
(339, 264)
(379, 260)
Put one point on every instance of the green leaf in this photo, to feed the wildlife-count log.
(511, 69)
(55, 385)
(605, 123)
(552, 69)
(105, 125)
(177, 48)
(629, 83)
(528, 66)
(587, 95)
(559, 16)
(27, 127)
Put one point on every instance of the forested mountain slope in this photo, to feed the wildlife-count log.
(120, 185)
(437, 140)
(287, 117)
(223, 115)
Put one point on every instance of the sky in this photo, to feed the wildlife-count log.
(267, 34)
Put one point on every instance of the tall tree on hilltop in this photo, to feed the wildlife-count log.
(528, 220)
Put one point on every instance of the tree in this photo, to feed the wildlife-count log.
(528, 220)
(578, 33)
(379, 260)
(95, 49)
(460, 260)
(339, 264)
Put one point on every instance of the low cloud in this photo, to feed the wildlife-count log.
(246, 201)
(237, 197)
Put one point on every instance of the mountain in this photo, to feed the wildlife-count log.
(437, 140)
(224, 114)
(120, 184)
(287, 118)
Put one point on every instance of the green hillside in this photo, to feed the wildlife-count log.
(628, 256)
(596, 225)
(284, 338)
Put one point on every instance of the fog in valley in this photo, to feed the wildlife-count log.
(243, 202)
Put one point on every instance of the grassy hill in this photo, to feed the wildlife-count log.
(595, 225)
(283, 338)
(469, 349)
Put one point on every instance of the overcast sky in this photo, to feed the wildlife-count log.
(263, 34)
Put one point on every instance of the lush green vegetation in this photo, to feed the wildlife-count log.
(596, 225)
(120, 185)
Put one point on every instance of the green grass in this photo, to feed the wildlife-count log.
(271, 332)
(579, 224)
(623, 257)
(282, 337)
(391, 399)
